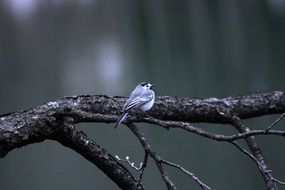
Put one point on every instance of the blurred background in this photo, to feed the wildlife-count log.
(55, 48)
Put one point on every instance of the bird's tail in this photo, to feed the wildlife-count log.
(121, 118)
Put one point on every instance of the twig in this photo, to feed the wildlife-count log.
(143, 167)
(158, 160)
(275, 122)
(190, 174)
(256, 151)
(132, 164)
(219, 137)
(266, 172)
(249, 155)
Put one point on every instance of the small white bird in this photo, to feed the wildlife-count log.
(141, 98)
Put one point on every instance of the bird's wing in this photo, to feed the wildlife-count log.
(131, 103)
(137, 101)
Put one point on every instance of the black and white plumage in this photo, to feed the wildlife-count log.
(141, 98)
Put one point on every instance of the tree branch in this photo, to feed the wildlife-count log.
(70, 137)
(256, 151)
(55, 120)
(159, 161)
(38, 124)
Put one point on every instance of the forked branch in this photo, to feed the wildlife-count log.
(55, 120)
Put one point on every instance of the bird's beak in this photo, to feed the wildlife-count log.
(152, 85)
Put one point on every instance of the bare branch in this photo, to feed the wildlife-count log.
(143, 166)
(202, 185)
(266, 172)
(132, 164)
(147, 148)
(159, 161)
(250, 156)
(31, 126)
(210, 110)
(70, 137)
(275, 122)
(53, 121)
(256, 151)
(219, 137)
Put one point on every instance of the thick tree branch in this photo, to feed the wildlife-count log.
(36, 125)
(70, 137)
(210, 110)
(54, 121)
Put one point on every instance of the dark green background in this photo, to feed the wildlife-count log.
(51, 49)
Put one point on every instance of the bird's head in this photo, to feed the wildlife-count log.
(146, 85)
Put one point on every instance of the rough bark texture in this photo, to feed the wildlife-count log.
(53, 121)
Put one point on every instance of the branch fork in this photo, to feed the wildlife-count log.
(56, 120)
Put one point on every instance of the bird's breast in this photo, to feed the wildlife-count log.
(147, 106)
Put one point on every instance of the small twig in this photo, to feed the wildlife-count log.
(260, 166)
(166, 178)
(256, 151)
(143, 167)
(190, 174)
(249, 155)
(188, 127)
(132, 164)
(275, 122)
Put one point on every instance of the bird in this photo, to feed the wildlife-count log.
(141, 99)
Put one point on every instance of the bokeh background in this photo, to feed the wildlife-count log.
(55, 48)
